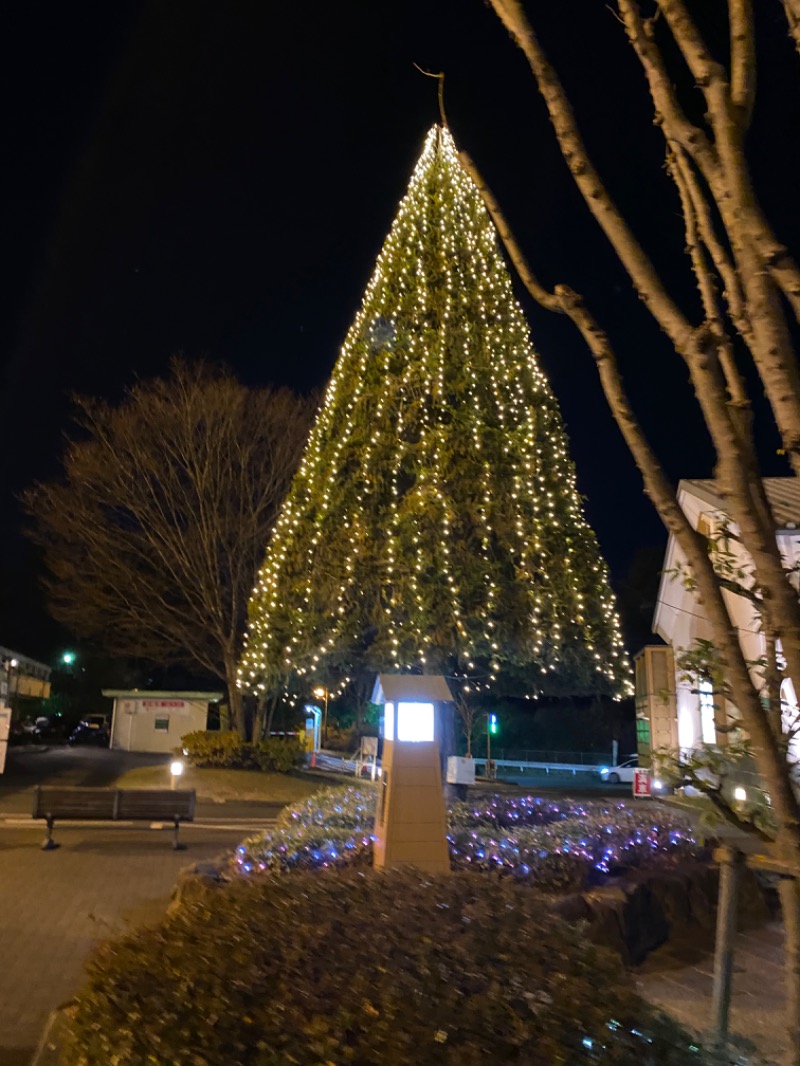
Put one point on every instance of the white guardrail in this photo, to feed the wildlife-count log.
(548, 767)
(345, 765)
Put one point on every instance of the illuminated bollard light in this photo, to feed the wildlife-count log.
(410, 821)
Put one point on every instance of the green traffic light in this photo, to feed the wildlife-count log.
(68, 657)
(494, 725)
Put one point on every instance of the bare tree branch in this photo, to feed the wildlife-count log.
(732, 291)
(631, 254)
(737, 472)
(547, 299)
(743, 60)
(792, 9)
(705, 281)
(755, 250)
(756, 270)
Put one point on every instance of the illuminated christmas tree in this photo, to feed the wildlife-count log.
(434, 524)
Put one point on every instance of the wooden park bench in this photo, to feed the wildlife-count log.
(113, 805)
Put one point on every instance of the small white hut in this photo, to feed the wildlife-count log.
(156, 721)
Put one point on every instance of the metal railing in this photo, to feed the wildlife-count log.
(569, 758)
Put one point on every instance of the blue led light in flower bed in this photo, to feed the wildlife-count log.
(553, 846)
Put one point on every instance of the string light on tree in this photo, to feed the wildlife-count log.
(434, 523)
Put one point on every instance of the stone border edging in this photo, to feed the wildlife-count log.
(48, 1050)
(644, 909)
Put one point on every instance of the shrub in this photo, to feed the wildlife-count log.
(281, 754)
(556, 846)
(347, 967)
(215, 748)
(340, 739)
(227, 749)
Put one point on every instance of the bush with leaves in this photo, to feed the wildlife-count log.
(228, 750)
(558, 846)
(214, 748)
(364, 968)
(278, 754)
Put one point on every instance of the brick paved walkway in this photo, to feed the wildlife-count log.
(678, 978)
(55, 906)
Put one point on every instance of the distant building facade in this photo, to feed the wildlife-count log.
(156, 721)
(22, 676)
(674, 712)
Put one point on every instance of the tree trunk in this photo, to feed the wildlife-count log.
(789, 890)
(265, 714)
(235, 699)
(259, 719)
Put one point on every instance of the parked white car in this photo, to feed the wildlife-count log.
(613, 775)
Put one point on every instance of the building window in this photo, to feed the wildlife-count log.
(162, 724)
(643, 733)
(708, 722)
(790, 720)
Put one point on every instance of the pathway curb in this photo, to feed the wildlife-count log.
(48, 1050)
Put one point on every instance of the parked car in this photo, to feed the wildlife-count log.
(49, 725)
(623, 771)
(23, 731)
(93, 729)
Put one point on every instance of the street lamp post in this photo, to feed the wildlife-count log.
(175, 771)
(492, 729)
(322, 691)
(10, 664)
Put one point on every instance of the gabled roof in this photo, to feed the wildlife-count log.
(412, 687)
(783, 494)
(145, 694)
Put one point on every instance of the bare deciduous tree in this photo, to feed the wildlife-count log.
(749, 287)
(154, 533)
(469, 715)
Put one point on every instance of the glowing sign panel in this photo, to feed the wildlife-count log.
(414, 722)
(388, 721)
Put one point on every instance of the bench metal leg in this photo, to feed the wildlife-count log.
(49, 844)
(176, 844)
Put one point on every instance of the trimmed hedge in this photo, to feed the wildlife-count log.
(228, 750)
(364, 968)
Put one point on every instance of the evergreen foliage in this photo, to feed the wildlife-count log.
(434, 523)
(346, 967)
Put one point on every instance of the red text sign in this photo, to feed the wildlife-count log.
(641, 783)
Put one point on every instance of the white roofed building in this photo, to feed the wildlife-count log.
(156, 721)
(676, 712)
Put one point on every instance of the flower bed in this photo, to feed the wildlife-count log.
(557, 846)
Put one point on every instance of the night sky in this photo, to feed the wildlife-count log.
(218, 178)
